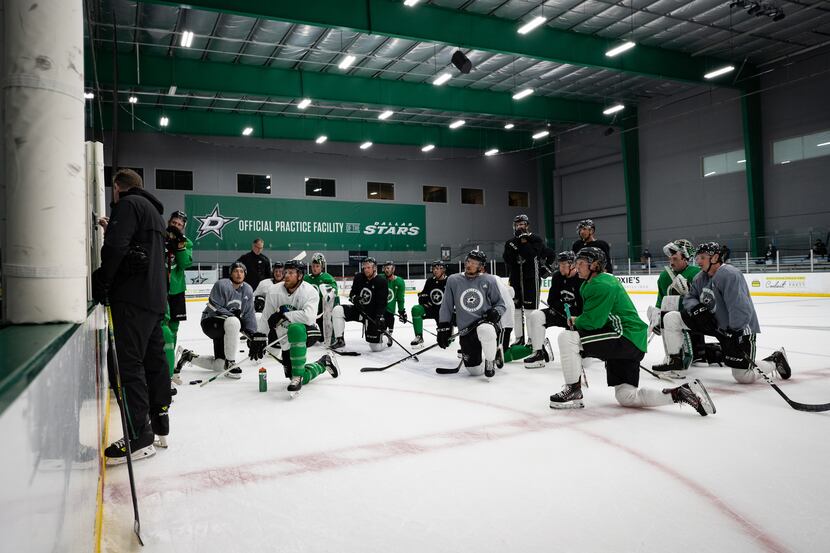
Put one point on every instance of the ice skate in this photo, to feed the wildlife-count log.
(569, 398)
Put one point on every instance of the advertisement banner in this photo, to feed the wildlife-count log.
(232, 222)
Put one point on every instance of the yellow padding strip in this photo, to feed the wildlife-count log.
(99, 511)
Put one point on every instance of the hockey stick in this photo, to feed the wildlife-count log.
(388, 335)
(235, 365)
(122, 404)
(809, 407)
(423, 329)
(451, 370)
(299, 257)
(461, 333)
(657, 375)
(344, 353)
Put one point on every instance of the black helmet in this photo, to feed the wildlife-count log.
(298, 266)
(438, 263)
(389, 264)
(371, 260)
(710, 248)
(591, 254)
(179, 215)
(478, 255)
(521, 219)
(585, 223)
(277, 265)
(567, 256)
(238, 265)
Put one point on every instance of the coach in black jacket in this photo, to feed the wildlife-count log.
(257, 263)
(132, 277)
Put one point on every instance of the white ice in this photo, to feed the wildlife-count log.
(407, 460)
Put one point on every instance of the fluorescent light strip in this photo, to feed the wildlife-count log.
(710, 173)
(786, 161)
(304, 103)
(741, 161)
(89, 95)
(509, 126)
(532, 24)
(410, 3)
(719, 72)
(164, 121)
(613, 109)
(491, 152)
(317, 190)
(133, 99)
(187, 39)
(172, 90)
(823, 144)
(366, 145)
(540, 134)
(625, 46)
(247, 131)
(386, 114)
(428, 148)
(441, 79)
(456, 124)
(346, 62)
(322, 138)
(523, 94)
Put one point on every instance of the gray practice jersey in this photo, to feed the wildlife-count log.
(470, 298)
(224, 297)
(727, 296)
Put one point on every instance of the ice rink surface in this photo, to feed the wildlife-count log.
(407, 460)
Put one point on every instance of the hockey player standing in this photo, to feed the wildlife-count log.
(587, 237)
(179, 251)
(718, 304)
(368, 296)
(396, 295)
(477, 302)
(522, 257)
(429, 301)
(564, 290)
(290, 312)
(264, 285)
(610, 329)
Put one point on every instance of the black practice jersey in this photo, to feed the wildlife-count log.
(433, 293)
(565, 290)
(370, 294)
(601, 244)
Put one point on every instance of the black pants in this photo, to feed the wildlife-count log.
(214, 328)
(178, 307)
(554, 318)
(389, 319)
(373, 333)
(737, 351)
(527, 291)
(145, 376)
(622, 358)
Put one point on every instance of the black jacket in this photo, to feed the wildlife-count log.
(524, 251)
(258, 268)
(135, 224)
(601, 244)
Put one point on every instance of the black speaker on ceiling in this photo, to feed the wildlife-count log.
(462, 62)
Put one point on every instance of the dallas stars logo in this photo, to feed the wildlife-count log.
(213, 223)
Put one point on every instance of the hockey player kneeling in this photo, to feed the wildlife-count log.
(368, 296)
(289, 313)
(429, 301)
(610, 329)
(478, 304)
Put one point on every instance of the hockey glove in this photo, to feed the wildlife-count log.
(680, 284)
(703, 320)
(259, 304)
(275, 319)
(444, 335)
(402, 316)
(236, 312)
(492, 315)
(654, 320)
(256, 346)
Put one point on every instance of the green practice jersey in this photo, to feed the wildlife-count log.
(664, 282)
(181, 261)
(606, 303)
(397, 293)
(316, 281)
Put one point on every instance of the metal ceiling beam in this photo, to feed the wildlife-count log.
(307, 128)
(432, 23)
(162, 72)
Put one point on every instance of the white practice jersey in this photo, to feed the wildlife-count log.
(301, 305)
(507, 296)
(263, 287)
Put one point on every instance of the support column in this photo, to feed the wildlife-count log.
(631, 174)
(753, 150)
(545, 166)
(45, 246)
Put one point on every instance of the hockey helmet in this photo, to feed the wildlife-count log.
(591, 254)
(277, 265)
(298, 266)
(438, 263)
(179, 215)
(566, 256)
(478, 255)
(371, 260)
(709, 248)
(680, 245)
(585, 223)
(238, 265)
(319, 259)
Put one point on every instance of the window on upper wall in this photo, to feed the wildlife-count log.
(474, 196)
(518, 199)
(319, 187)
(172, 179)
(253, 184)
(721, 164)
(437, 194)
(108, 174)
(801, 147)
(380, 190)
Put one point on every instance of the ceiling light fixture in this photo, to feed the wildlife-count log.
(247, 131)
(710, 173)
(719, 72)
(187, 39)
(741, 161)
(509, 126)
(441, 79)
(346, 62)
(540, 134)
(410, 3)
(322, 138)
(457, 123)
(532, 24)
(491, 152)
(133, 99)
(172, 90)
(823, 144)
(624, 47)
(164, 121)
(366, 145)
(89, 95)
(317, 190)
(304, 103)
(386, 114)
(428, 148)
(523, 94)
(613, 109)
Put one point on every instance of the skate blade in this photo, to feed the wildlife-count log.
(576, 404)
(535, 365)
(177, 380)
(292, 395)
(233, 376)
(161, 441)
(142, 453)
